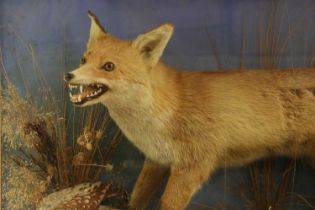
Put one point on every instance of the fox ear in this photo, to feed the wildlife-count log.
(96, 31)
(152, 44)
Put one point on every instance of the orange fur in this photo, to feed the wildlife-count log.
(193, 123)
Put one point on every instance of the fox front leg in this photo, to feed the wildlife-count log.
(182, 184)
(150, 177)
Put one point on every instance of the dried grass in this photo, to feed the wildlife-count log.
(268, 191)
(29, 157)
(38, 158)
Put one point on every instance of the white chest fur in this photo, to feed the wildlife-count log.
(132, 110)
(147, 133)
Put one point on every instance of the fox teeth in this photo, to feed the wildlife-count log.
(70, 94)
(72, 87)
(81, 88)
(79, 98)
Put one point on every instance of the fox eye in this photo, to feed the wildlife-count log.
(108, 66)
(83, 60)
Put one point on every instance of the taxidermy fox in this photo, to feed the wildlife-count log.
(188, 124)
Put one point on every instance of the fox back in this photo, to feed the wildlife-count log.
(192, 123)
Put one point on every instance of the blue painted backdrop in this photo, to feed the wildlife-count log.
(210, 34)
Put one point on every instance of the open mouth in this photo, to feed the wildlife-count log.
(79, 94)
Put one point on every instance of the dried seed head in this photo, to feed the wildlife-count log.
(89, 146)
(88, 136)
(78, 158)
(81, 140)
(98, 135)
(86, 130)
(81, 155)
(109, 167)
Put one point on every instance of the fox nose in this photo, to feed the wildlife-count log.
(68, 77)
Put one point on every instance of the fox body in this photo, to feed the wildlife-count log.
(188, 124)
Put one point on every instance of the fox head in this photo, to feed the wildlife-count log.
(114, 69)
